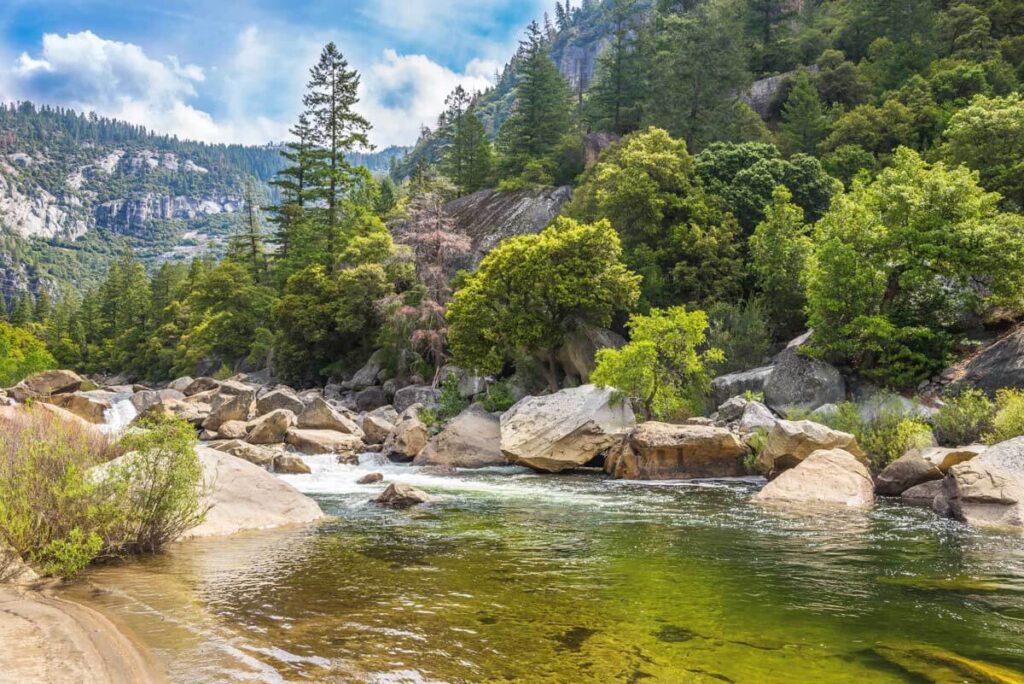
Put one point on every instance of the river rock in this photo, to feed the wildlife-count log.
(402, 496)
(191, 412)
(471, 440)
(756, 416)
(146, 399)
(988, 490)
(924, 492)
(271, 428)
(228, 405)
(281, 398)
(319, 415)
(242, 496)
(905, 472)
(409, 436)
(826, 476)
(731, 410)
(180, 384)
(579, 352)
(45, 384)
(376, 428)
(999, 365)
(367, 375)
(735, 384)
(798, 381)
(790, 442)
(429, 397)
(323, 441)
(253, 453)
(659, 451)
(370, 478)
(290, 464)
(84, 405)
(566, 429)
(233, 429)
(945, 458)
(371, 398)
(201, 385)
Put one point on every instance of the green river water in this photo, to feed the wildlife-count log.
(515, 577)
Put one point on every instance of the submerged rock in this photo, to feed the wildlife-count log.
(566, 429)
(827, 476)
(790, 442)
(659, 451)
(402, 496)
(471, 440)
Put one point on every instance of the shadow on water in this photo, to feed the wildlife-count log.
(517, 577)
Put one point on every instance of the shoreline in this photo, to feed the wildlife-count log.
(48, 638)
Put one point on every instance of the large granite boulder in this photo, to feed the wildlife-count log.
(228, 405)
(180, 384)
(371, 398)
(45, 384)
(578, 355)
(242, 496)
(735, 384)
(659, 451)
(988, 490)
(290, 464)
(233, 429)
(924, 492)
(367, 375)
(756, 416)
(92, 406)
(429, 397)
(200, 385)
(566, 429)
(999, 365)
(825, 477)
(399, 495)
(323, 441)
(409, 436)
(280, 398)
(271, 428)
(790, 442)
(146, 399)
(253, 453)
(905, 472)
(471, 440)
(945, 458)
(319, 415)
(377, 427)
(798, 381)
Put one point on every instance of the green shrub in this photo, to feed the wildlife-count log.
(451, 402)
(1009, 419)
(499, 397)
(741, 331)
(21, 355)
(757, 442)
(964, 419)
(886, 436)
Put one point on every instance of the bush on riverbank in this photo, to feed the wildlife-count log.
(63, 504)
(964, 419)
(1009, 418)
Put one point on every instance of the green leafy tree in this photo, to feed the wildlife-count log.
(21, 355)
(661, 368)
(804, 123)
(898, 262)
(529, 137)
(532, 290)
(778, 255)
(685, 247)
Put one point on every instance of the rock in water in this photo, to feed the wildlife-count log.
(471, 440)
(798, 381)
(322, 441)
(253, 453)
(319, 415)
(791, 441)
(827, 476)
(905, 472)
(271, 428)
(659, 451)
(566, 429)
(924, 492)
(376, 428)
(402, 496)
(370, 478)
(290, 464)
(987, 491)
(45, 384)
(409, 436)
(92, 406)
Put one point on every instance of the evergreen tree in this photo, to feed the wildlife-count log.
(293, 181)
(4, 315)
(23, 310)
(467, 158)
(528, 139)
(804, 123)
(336, 129)
(614, 102)
(247, 246)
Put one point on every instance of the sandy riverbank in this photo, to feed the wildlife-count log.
(48, 639)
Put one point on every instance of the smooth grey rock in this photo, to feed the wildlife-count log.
(801, 382)
(735, 384)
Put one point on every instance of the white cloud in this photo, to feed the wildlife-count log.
(402, 92)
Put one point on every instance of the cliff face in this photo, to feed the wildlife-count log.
(131, 216)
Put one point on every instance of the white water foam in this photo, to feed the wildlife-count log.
(119, 415)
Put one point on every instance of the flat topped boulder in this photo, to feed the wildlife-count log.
(791, 441)
(830, 476)
(905, 472)
(317, 414)
(565, 430)
(945, 458)
(322, 441)
(988, 490)
(45, 384)
(271, 428)
(798, 381)
(280, 398)
(243, 496)
(92, 406)
(659, 451)
(471, 440)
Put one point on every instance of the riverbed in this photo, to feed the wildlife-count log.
(514, 576)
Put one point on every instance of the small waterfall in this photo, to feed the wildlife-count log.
(119, 416)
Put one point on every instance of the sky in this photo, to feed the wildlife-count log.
(235, 70)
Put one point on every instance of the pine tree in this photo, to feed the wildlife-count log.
(804, 123)
(247, 247)
(294, 182)
(466, 160)
(4, 315)
(529, 137)
(614, 102)
(337, 129)
(43, 307)
(23, 310)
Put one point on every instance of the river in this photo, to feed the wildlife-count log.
(513, 576)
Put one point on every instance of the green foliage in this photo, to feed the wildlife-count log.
(468, 157)
(847, 162)
(778, 255)
(888, 431)
(741, 332)
(499, 397)
(532, 290)
(804, 124)
(615, 100)
(964, 419)
(21, 355)
(895, 263)
(1008, 421)
(661, 368)
(685, 247)
(451, 402)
